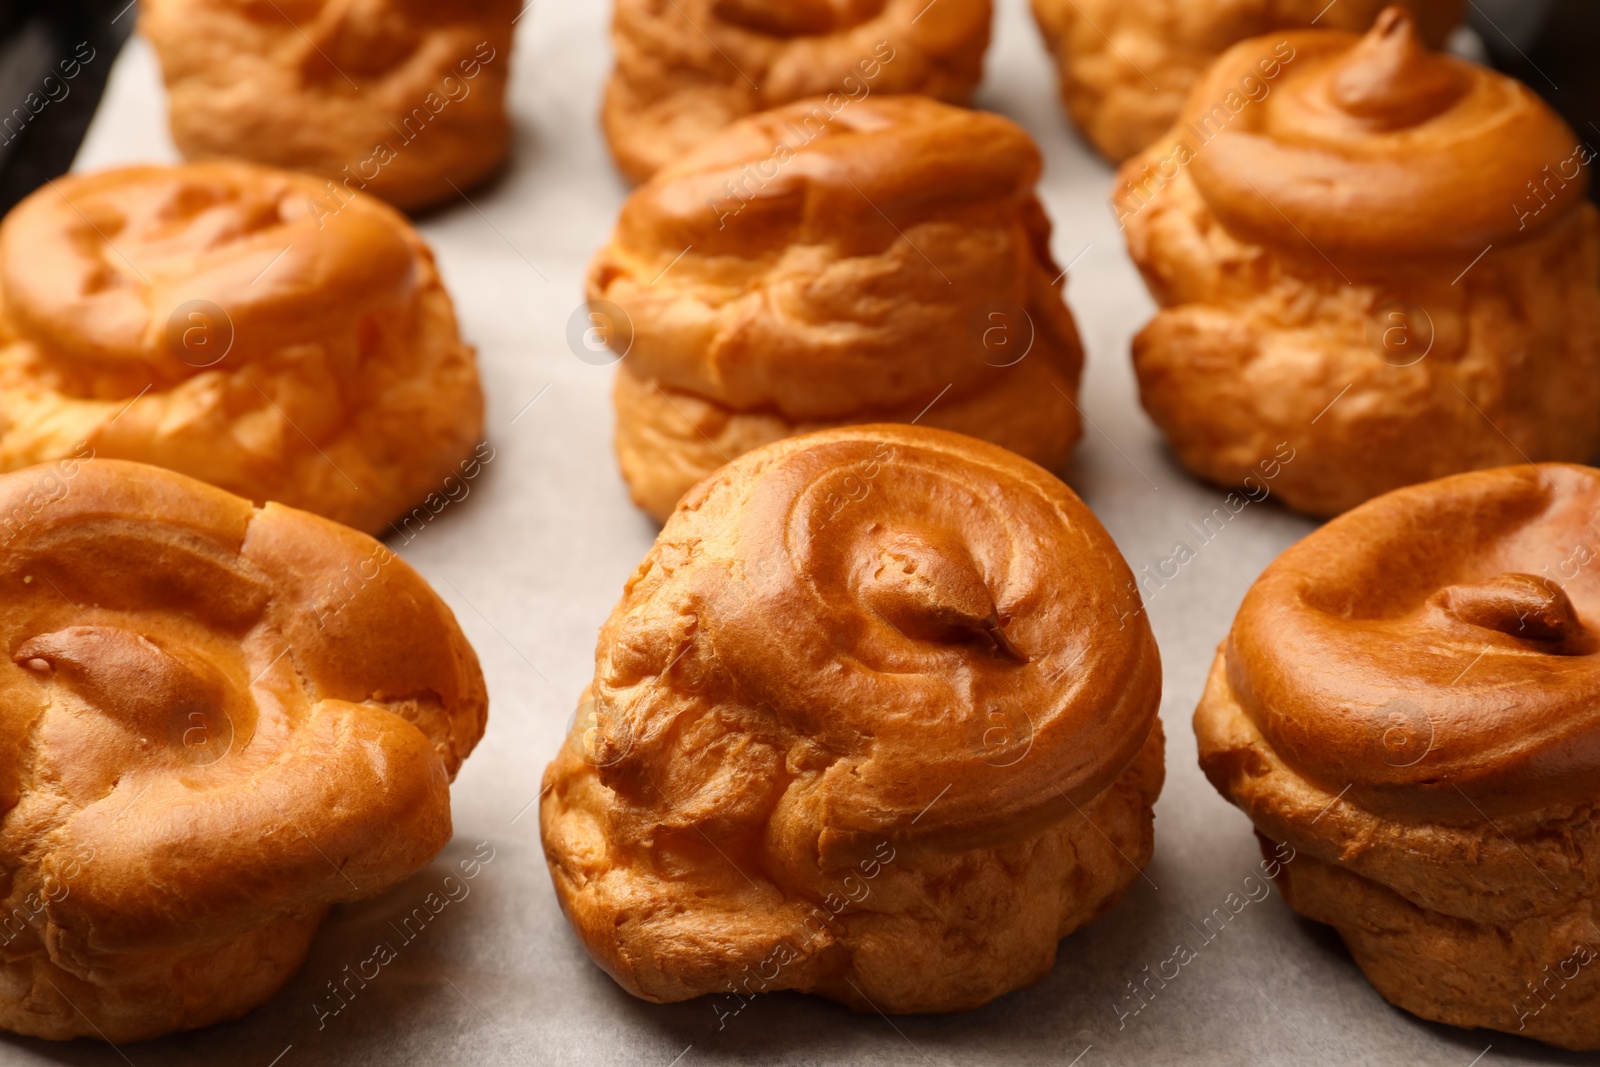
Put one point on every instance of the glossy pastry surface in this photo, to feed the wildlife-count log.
(881, 658)
(225, 321)
(1407, 698)
(1128, 65)
(218, 721)
(1388, 262)
(799, 271)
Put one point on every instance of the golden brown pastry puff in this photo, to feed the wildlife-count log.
(1410, 700)
(1128, 65)
(227, 321)
(216, 721)
(888, 264)
(875, 719)
(402, 99)
(687, 68)
(1388, 263)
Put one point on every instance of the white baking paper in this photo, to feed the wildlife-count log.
(532, 561)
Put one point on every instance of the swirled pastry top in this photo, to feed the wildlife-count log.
(231, 322)
(1374, 146)
(886, 615)
(108, 271)
(237, 712)
(1436, 642)
(787, 262)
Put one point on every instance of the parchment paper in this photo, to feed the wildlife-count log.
(532, 561)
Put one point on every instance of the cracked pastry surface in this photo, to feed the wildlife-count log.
(1408, 698)
(687, 69)
(872, 720)
(208, 318)
(403, 99)
(1359, 265)
(798, 272)
(217, 721)
(1126, 66)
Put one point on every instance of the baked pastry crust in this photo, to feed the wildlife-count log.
(399, 98)
(225, 321)
(689, 68)
(1326, 275)
(874, 719)
(218, 721)
(1127, 66)
(809, 268)
(1408, 698)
